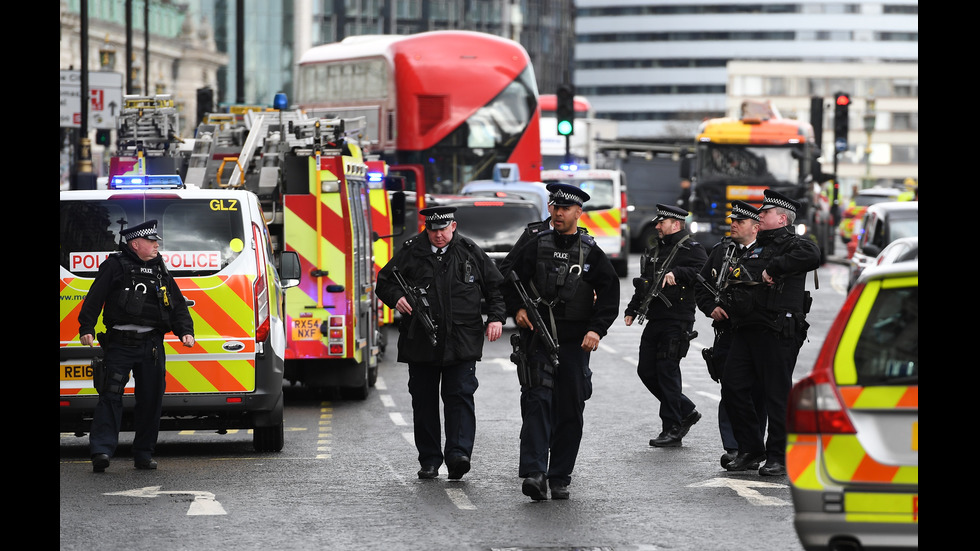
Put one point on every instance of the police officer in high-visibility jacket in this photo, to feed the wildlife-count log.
(769, 324)
(139, 302)
(579, 297)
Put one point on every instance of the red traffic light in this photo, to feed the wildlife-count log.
(843, 99)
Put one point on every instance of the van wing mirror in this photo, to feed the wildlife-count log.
(289, 269)
(397, 200)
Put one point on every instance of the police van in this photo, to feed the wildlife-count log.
(604, 214)
(216, 244)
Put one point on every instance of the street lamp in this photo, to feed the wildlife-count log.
(107, 55)
(869, 126)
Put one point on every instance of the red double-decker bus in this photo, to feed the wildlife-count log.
(442, 107)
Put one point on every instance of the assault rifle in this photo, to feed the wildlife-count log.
(657, 284)
(419, 301)
(721, 278)
(536, 320)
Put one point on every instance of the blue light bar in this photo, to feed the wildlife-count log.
(147, 181)
(571, 167)
(375, 177)
(280, 102)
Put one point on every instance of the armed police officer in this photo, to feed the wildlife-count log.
(720, 272)
(531, 230)
(442, 277)
(769, 327)
(139, 302)
(665, 295)
(570, 286)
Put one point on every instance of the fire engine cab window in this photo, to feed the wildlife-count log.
(200, 237)
(888, 349)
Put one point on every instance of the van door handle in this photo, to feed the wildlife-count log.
(189, 302)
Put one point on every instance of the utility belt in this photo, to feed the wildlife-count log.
(121, 337)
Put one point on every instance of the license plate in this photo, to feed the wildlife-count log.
(306, 329)
(76, 372)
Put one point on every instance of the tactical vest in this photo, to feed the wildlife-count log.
(558, 277)
(144, 299)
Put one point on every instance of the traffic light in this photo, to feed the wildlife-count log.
(565, 110)
(841, 102)
(205, 102)
(103, 136)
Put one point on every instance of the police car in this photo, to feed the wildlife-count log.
(217, 246)
(852, 453)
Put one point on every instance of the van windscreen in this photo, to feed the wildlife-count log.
(198, 239)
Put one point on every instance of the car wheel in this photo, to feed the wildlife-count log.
(268, 439)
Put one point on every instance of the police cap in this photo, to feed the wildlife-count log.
(776, 199)
(669, 211)
(437, 218)
(146, 230)
(564, 195)
(744, 211)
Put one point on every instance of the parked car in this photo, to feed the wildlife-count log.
(899, 250)
(530, 191)
(852, 453)
(860, 203)
(493, 223)
(882, 223)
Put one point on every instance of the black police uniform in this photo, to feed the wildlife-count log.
(769, 323)
(667, 335)
(530, 231)
(137, 313)
(718, 352)
(564, 270)
(457, 281)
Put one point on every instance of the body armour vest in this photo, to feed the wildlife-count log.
(558, 277)
(143, 295)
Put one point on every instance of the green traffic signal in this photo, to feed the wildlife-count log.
(565, 128)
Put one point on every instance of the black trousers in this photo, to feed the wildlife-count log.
(146, 359)
(660, 369)
(456, 384)
(759, 354)
(551, 431)
(722, 346)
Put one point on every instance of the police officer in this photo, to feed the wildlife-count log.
(456, 276)
(139, 302)
(721, 270)
(769, 327)
(579, 295)
(672, 263)
(531, 230)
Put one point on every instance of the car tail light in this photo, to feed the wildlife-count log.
(623, 207)
(260, 289)
(815, 406)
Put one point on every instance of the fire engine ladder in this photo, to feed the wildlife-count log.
(147, 126)
(265, 134)
(218, 146)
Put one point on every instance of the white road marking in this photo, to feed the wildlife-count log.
(743, 487)
(203, 504)
(459, 499)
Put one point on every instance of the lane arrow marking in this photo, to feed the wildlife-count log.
(743, 488)
(203, 504)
